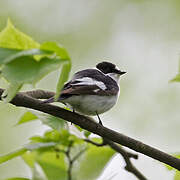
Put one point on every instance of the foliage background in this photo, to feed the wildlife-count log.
(141, 37)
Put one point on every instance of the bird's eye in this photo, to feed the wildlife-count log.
(108, 70)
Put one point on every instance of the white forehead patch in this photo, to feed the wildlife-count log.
(117, 68)
(90, 81)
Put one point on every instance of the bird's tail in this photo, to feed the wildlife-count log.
(51, 100)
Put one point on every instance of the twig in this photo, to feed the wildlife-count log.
(129, 166)
(126, 155)
(78, 155)
(130, 155)
(95, 143)
(86, 123)
(72, 160)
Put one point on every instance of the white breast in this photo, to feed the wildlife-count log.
(90, 104)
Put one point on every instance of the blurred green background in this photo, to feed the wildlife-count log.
(142, 37)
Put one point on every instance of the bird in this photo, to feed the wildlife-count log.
(92, 91)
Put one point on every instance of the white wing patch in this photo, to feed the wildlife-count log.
(96, 90)
(90, 81)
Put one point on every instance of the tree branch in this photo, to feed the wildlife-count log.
(21, 99)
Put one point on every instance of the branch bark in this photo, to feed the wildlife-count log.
(23, 100)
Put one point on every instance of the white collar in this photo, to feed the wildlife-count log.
(114, 76)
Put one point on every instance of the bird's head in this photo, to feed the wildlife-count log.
(110, 69)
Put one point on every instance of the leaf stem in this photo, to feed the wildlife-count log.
(12, 155)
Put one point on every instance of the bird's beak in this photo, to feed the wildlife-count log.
(122, 72)
(119, 72)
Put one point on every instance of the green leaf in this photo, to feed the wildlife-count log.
(53, 164)
(62, 137)
(27, 70)
(8, 55)
(49, 120)
(22, 67)
(65, 137)
(30, 157)
(57, 48)
(52, 135)
(11, 37)
(12, 155)
(177, 175)
(78, 128)
(49, 136)
(176, 78)
(28, 116)
(91, 164)
(38, 173)
(62, 54)
(55, 168)
(53, 122)
(87, 133)
(36, 139)
(5, 53)
(10, 92)
(17, 178)
(63, 78)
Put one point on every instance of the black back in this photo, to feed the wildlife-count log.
(98, 76)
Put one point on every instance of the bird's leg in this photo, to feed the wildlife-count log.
(100, 122)
(73, 112)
